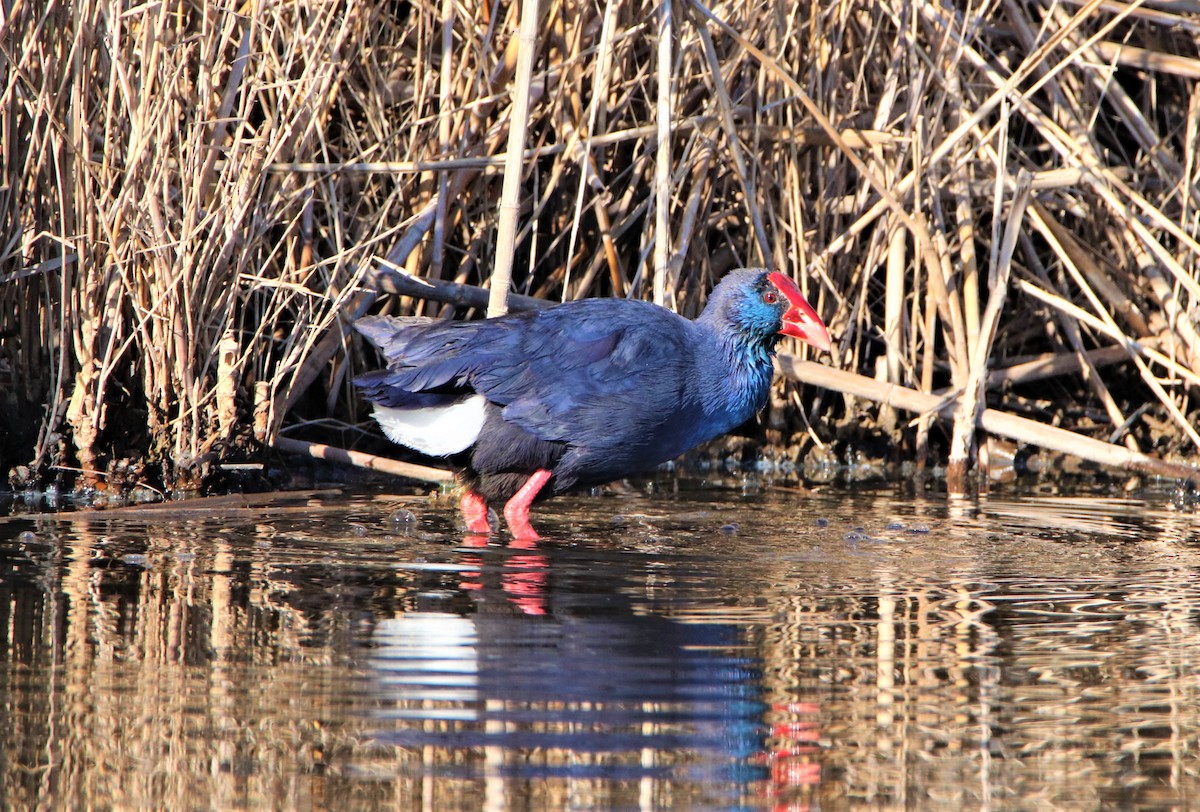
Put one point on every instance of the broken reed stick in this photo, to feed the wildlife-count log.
(994, 421)
(893, 310)
(1054, 364)
(1132, 56)
(445, 135)
(451, 293)
(363, 460)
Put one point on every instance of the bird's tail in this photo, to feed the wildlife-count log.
(423, 355)
(392, 334)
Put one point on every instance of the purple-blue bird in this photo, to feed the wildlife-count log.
(579, 394)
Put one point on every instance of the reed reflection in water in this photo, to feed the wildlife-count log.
(713, 650)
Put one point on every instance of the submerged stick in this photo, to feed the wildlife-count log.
(994, 421)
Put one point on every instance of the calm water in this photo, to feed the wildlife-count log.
(714, 650)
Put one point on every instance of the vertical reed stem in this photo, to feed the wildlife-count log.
(514, 161)
(662, 165)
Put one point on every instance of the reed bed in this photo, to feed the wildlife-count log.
(996, 205)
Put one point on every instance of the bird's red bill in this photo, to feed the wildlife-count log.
(800, 320)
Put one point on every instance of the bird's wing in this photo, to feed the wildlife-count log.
(591, 375)
(599, 369)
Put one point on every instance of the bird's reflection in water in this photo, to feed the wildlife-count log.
(522, 575)
(568, 674)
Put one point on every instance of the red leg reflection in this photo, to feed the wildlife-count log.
(522, 575)
(525, 578)
(473, 577)
(794, 770)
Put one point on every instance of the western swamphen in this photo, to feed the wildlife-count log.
(582, 393)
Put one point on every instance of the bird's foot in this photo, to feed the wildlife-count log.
(520, 528)
(516, 510)
(475, 512)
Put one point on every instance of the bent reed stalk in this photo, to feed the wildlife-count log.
(199, 196)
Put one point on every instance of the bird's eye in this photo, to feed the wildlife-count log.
(770, 297)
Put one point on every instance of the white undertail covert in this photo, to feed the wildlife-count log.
(434, 430)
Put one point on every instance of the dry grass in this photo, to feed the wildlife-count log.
(192, 193)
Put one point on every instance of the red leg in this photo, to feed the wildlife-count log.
(475, 512)
(516, 511)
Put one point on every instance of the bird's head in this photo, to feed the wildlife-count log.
(765, 305)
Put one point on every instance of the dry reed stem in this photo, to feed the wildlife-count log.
(510, 207)
(970, 405)
(664, 295)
